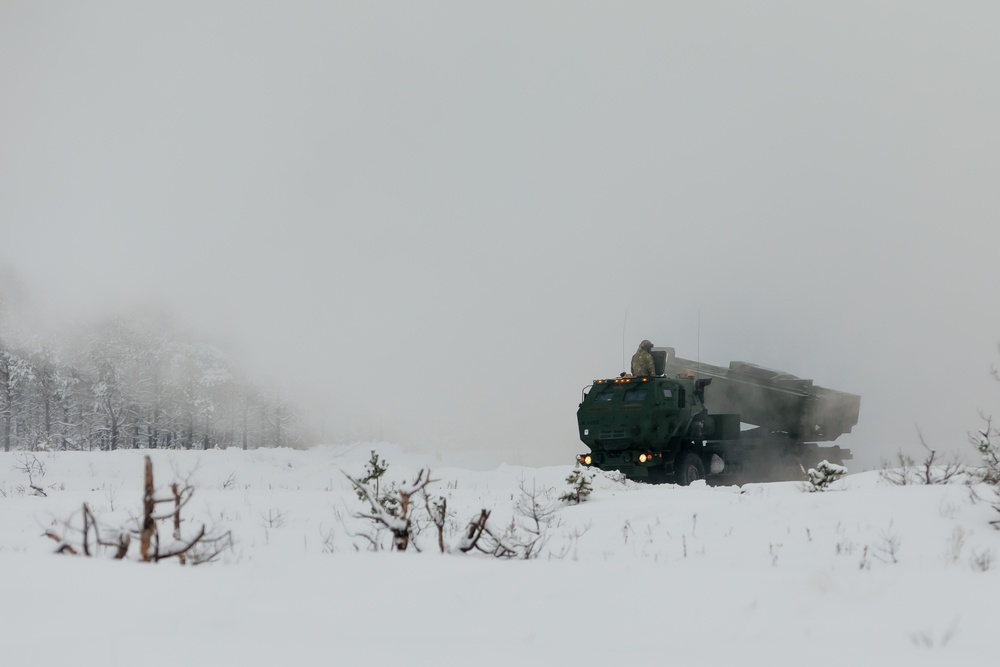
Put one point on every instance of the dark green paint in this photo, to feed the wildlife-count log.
(690, 413)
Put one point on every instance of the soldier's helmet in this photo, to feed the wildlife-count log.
(645, 345)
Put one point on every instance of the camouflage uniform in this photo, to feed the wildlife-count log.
(642, 360)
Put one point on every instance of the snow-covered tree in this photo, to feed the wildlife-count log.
(132, 382)
(823, 475)
(399, 522)
(15, 373)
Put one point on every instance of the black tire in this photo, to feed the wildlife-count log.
(691, 469)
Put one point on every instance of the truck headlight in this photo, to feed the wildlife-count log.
(586, 460)
(643, 458)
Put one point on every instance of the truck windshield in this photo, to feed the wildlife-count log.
(635, 395)
(604, 396)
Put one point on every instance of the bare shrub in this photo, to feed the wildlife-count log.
(525, 537)
(508, 543)
(34, 469)
(773, 550)
(85, 534)
(535, 510)
(273, 518)
(887, 546)
(844, 547)
(85, 538)
(866, 559)
(926, 640)
(986, 441)
(900, 472)
(933, 469)
(955, 545)
(399, 522)
(982, 561)
(112, 495)
(438, 512)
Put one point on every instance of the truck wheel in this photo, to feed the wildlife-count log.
(691, 469)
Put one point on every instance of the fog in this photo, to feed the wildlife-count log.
(434, 223)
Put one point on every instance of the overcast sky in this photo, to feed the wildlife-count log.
(430, 219)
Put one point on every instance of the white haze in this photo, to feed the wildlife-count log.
(429, 220)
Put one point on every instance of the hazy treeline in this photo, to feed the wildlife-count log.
(132, 383)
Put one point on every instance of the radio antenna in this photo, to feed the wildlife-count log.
(699, 343)
(623, 340)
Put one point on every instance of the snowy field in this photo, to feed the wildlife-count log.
(866, 573)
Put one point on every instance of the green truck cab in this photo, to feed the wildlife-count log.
(727, 425)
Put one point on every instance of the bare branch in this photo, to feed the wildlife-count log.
(183, 549)
(473, 532)
(146, 546)
(220, 544)
(438, 513)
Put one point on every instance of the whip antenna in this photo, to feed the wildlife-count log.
(623, 340)
(699, 344)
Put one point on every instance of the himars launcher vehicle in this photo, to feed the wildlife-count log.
(694, 421)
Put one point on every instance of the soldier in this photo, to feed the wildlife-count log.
(642, 360)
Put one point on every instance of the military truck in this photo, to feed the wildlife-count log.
(695, 421)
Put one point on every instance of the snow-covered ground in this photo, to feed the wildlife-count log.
(763, 574)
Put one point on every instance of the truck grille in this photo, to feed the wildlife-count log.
(611, 433)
